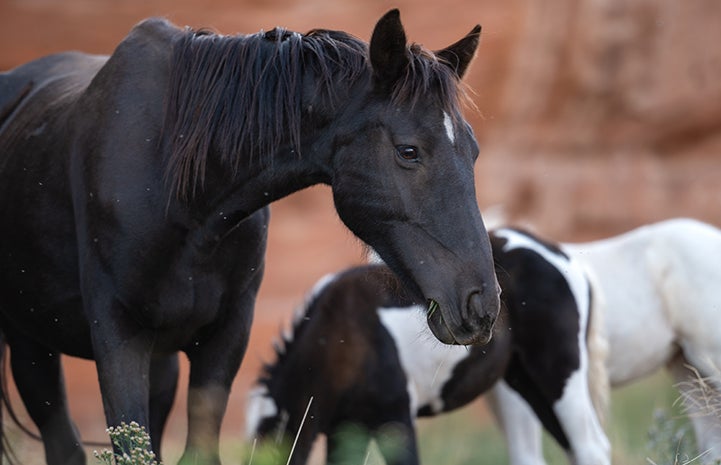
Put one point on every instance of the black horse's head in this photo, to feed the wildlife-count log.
(381, 123)
(403, 180)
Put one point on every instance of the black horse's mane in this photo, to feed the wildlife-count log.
(240, 96)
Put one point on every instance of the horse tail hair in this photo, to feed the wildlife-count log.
(597, 343)
(3, 439)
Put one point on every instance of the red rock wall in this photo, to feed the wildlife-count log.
(610, 117)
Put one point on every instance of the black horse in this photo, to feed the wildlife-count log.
(358, 357)
(133, 195)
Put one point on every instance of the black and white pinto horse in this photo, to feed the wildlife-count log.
(134, 192)
(657, 287)
(654, 304)
(359, 354)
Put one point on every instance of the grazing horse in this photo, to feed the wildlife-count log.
(657, 286)
(359, 354)
(133, 195)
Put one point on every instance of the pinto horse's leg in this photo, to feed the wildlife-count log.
(163, 386)
(519, 424)
(562, 403)
(345, 445)
(577, 414)
(304, 441)
(39, 379)
(397, 442)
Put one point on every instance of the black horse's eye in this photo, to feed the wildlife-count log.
(407, 152)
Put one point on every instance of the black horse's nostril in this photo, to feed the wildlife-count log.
(474, 305)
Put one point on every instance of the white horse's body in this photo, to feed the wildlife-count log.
(659, 288)
(660, 285)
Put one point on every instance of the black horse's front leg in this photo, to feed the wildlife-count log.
(213, 366)
(122, 351)
(163, 385)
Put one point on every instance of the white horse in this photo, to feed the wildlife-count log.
(656, 287)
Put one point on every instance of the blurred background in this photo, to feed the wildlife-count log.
(595, 116)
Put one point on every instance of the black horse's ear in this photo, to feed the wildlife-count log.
(459, 55)
(388, 53)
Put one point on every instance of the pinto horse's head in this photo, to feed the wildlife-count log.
(403, 180)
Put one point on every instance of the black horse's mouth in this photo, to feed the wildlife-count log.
(462, 335)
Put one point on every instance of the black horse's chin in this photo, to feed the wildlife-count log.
(438, 325)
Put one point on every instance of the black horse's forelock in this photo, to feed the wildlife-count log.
(428, 74)
(240, 96)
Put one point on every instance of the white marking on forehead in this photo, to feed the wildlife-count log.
(448, 124)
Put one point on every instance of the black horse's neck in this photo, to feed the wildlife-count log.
(264, 186)
(244, 118)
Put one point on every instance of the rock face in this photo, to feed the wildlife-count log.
(597, 115)
(610, 117)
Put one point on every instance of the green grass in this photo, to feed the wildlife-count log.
(461, 439)
(470, 437)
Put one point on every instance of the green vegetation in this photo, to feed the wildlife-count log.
(644, 426)
(133, 443)
(637, 431)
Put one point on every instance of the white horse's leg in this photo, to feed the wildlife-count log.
(577, 415)
(519, 424)
(575, 410)
(702, 403)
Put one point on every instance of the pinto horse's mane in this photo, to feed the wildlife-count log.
(242, 94)
(301, 320)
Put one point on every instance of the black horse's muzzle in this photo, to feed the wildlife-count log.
(467, 324)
